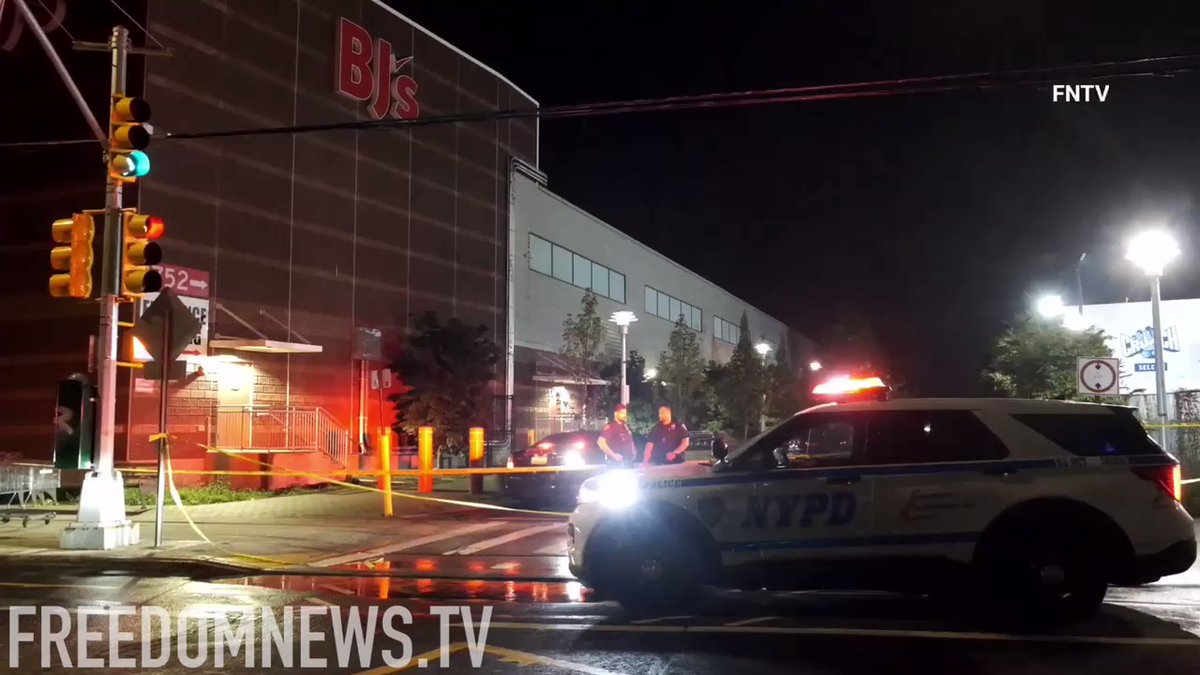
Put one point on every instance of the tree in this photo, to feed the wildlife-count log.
(783, 385)
(1035, 358)
(745, 384)
(583, 335)
(446, 369)
(681, 370)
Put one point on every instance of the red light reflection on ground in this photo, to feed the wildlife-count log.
(398, 588)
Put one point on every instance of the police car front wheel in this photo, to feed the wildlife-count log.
(646, 575)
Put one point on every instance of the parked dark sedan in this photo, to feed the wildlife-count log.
(571, 448)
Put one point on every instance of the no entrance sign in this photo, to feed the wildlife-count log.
(1099, 377)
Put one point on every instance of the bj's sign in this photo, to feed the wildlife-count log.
(368, 71)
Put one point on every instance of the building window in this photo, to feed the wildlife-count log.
(563, 265)
(670, 308)
(539, 255)
(726, 331)
(566, 265)
(616, 286)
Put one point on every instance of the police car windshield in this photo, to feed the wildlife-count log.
(736, 454)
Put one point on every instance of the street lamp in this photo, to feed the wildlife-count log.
(623, 318)
(1152, 250)
(1050, 306)
(815, 366)
(763, 348)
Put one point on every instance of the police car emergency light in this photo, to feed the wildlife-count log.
(844, 388)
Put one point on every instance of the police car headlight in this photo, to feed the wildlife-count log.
(573, 458)
(614, 490)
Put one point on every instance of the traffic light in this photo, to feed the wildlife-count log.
(127, 138)
(74, 259)
(141, 251)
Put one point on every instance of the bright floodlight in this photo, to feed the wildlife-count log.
(650, 373)
(814, 366)
(623, 317)
(1152, 250)
(1050, 305)
(763, 348)
(1073, 320)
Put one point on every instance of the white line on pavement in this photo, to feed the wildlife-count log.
(658, 619)
(557, 548)
(405, 545)
(319, 601)
(504, 539)
(848, 632)
(747, 622)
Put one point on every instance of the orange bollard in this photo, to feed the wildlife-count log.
(475, 444)
(425, 459)
(385, 468)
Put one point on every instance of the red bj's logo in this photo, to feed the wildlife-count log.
(369, 71)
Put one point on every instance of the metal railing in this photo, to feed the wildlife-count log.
(278, 429)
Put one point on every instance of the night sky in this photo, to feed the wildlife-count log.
(934, 215)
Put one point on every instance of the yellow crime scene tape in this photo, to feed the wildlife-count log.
(326, 478)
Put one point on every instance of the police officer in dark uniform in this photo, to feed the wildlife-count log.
(668, 440)
(617, 440)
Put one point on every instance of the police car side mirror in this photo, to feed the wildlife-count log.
(719, 449)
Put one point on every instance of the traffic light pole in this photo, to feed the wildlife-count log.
(102, 523)
(110, 280)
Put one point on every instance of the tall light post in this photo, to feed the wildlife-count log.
(623, 319)
(1152, 250)
(763, 348)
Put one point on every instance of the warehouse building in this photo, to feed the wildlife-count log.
(304, 254)
(560, 252)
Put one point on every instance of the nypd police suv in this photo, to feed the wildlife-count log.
(1039, 504)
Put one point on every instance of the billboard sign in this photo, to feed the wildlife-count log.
(1129, 332)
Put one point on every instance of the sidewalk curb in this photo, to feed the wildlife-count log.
(147, 566)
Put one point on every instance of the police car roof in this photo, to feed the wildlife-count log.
(1008, 405)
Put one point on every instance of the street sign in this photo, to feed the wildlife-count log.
(368, 343)
(200, 310)
(374, 380)
(149, 328)
(1099, 377)
(386, 378)
(185, 281)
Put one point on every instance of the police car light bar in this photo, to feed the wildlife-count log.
(839, 386)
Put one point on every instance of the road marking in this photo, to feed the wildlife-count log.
(557, 548)
(411, 543)
(747, 622)
(319, 601)
(528, 659)
(660, 618)
(504, 539)
(336, 589)
(504, 654)
(848, 632)
(17, 584)
(418, 661)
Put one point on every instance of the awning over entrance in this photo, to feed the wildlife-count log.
(553, 368)
(263, 346)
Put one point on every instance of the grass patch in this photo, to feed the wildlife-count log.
(214, 493)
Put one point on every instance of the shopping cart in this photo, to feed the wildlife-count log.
(26, 485)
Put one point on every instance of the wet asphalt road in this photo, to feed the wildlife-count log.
(555, 627)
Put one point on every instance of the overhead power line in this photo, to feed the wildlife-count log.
(1148, 67)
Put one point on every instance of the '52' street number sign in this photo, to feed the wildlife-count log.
(185, 281)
